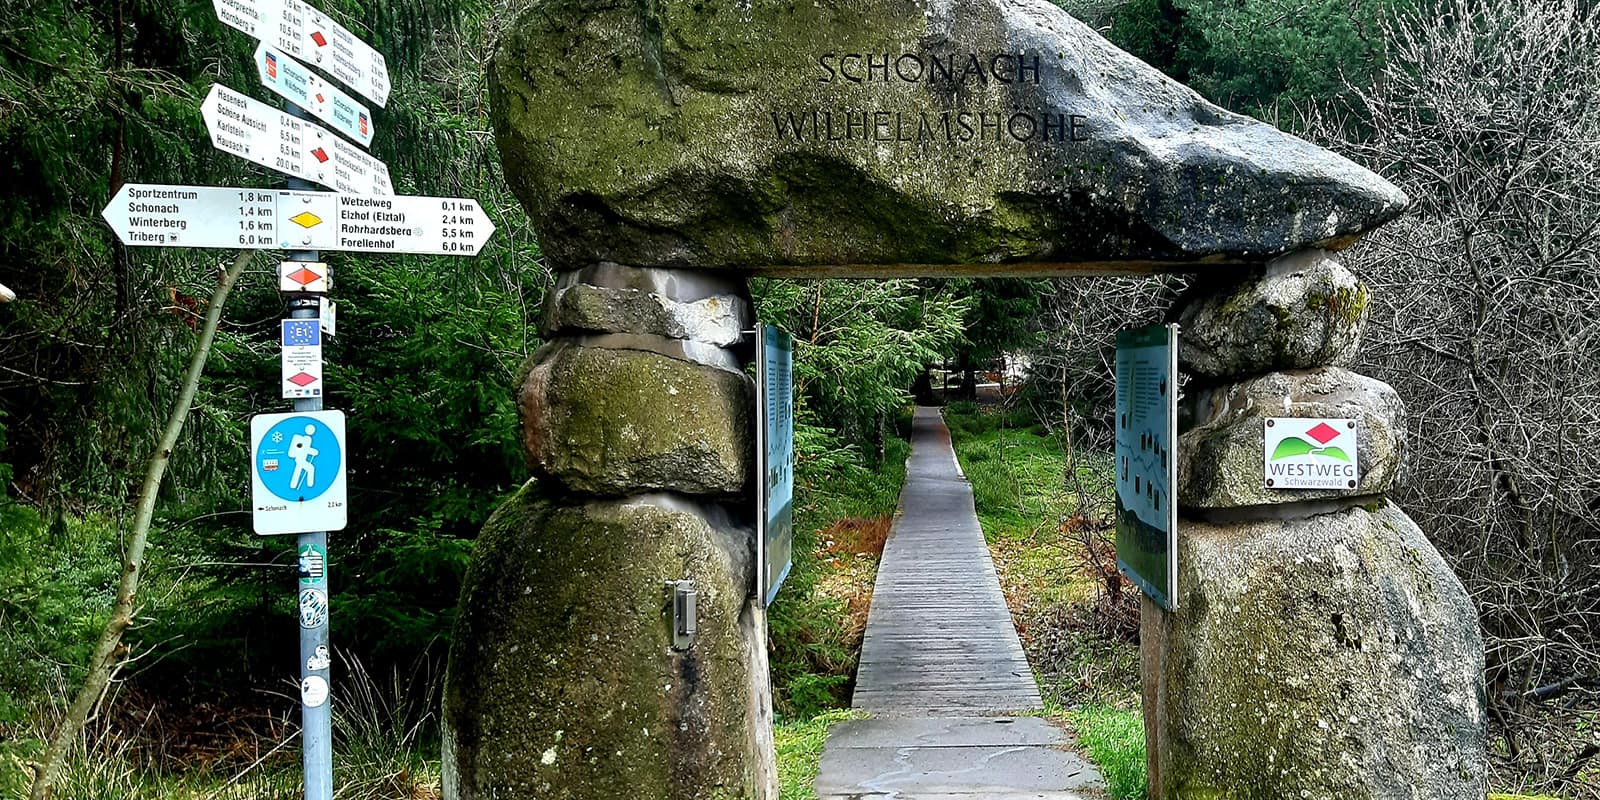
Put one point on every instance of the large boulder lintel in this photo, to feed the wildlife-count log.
(563, 683)
(861, 137)
(1335, 656)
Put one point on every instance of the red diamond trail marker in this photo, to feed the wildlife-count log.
(1323, 433)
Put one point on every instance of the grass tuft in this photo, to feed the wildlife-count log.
(800, 751)
(1115, 741)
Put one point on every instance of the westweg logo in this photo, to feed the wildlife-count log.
(1322, 434)
(1310, 454)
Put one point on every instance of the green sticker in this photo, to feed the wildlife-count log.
(313, 564)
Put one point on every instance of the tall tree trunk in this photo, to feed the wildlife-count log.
(109, 651)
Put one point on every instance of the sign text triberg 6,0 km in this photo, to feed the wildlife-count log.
(151, 215)
(311, 36)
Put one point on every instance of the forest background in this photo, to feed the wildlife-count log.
(1486, 113)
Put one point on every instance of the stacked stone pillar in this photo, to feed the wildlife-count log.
(1322, 648)
(564, 682)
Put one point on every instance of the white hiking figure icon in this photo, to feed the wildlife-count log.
(302, 452)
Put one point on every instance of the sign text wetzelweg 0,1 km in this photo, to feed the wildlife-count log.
(150, 215)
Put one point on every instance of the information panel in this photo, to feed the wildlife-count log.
(1147, 470)
(775, 449)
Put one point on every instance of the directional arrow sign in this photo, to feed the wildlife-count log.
(293, 82)
(260, 133)
(296, 28)
(275, 219)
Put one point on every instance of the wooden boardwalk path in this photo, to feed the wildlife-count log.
(941, 666)
(939, 638)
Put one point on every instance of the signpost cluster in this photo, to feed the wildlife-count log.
(299, 460)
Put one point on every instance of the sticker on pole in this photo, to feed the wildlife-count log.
(1311, 454)
(297, 468)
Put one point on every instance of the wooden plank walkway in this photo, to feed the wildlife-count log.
(942, 667)
(939, 638)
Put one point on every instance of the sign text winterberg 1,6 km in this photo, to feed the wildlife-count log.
(296, 28)
(257, 132)
(150, 215)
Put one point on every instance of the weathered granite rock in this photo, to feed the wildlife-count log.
(1220, 453)
(563, 684)
(1330, 657)
(613, 298)
(1304, 310)
(615, 421)
(891, 136)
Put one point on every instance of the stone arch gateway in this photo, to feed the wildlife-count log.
(668, 149)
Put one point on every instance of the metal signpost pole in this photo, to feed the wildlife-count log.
(316, 704)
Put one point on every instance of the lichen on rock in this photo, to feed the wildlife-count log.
(562, 682)
(1301, 311)
(1221, 447)
(616, 422)
(1336, 656)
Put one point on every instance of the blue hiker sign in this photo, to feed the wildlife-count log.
(298, 472)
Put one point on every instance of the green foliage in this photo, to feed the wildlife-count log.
(858, 347)
(800, 744)
(812, 654)
(1115, 741)
(1161, 34)
(1269, 58)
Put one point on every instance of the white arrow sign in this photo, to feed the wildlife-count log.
(308, 34)
(293, 82)
(278, 219)
(257, 132)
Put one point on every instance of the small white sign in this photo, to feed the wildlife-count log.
(314, 691)
(303, 277)
(302, 358)
(293, 82)
(151, 215)
(259, 133)
(328, 315)
(1311, 454)
(296, 28)
(297, 469)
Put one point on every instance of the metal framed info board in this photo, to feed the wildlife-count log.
(1147, 469)
(774, 459)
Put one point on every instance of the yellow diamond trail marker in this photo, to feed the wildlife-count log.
(295, 28)
(259, 133)
(308, 277)
(151, 215)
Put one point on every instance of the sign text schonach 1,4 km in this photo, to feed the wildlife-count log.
(259, 133)
(150, 215)
(294, 27)
(293, 82)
